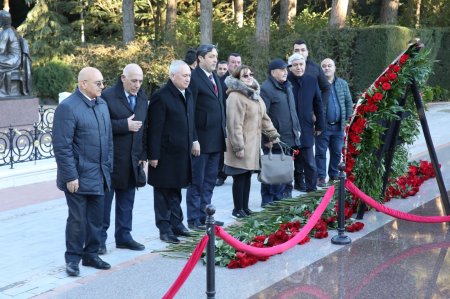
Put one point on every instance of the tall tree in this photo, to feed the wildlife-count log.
(417, 14)
(288, 11)
(239, 12)
(338, 13)
(262, 33)
(128, 21)
(206, 15)
(171, 19)
(389, 12)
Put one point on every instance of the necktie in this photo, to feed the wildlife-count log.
(132, 101)
(216, 91)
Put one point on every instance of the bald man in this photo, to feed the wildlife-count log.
(82, 142)
(338, 109)
(127, 105)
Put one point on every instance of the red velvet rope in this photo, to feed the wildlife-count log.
(187, 268)
(394, 213)
(263, 252)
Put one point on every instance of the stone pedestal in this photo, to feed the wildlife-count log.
(18, 111)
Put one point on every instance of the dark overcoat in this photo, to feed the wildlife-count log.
(129, 147)
(170, 137)
(209, 112)
(82, 142)
(308, 101)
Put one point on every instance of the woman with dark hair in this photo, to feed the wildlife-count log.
(246, 120)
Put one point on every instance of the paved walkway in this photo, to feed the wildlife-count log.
(33, 215)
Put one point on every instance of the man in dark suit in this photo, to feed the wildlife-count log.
(314, 70)
(82, 141)
(308, 102)
(127, 105)
(170, 137)
(210, 129)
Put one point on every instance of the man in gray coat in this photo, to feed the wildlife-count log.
(82, 141)
(338, 109)
(277, 94)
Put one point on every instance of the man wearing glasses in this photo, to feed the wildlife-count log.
(83, 145)
(127, 104)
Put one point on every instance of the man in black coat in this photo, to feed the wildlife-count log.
(210, 129)
(82, 141)
(314, 70)
(308, 102)
(234, 61)
(170, 137)
(127, 105)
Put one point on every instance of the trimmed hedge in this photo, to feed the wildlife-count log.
(360, 53)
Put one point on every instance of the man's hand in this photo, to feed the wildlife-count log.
(153, 163)
(317, 133)
(72, 186)
(133, 125)
(195, 148)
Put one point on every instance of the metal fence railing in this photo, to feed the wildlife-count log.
(24, 145)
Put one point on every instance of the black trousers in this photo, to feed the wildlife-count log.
(84, 225)
(221, 174)
(305, 166)
(168, 213)
(241, 190)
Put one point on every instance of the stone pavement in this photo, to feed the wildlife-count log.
(32, 221)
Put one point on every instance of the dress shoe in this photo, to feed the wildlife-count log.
(198, 227)
(321, 183)
(300, 186)
(168, 238)
(132, 245)
(248, 211)
(181, 232)
(220, 182)
(102, 249)
(96, 263)
(72, 269)
(239, 214)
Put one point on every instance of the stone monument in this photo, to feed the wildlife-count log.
(17, 106)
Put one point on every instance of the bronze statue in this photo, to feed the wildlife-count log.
(15, 61)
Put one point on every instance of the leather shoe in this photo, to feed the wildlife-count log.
(96, 263)
(220, 182)
(198, 227)
(168, 238)
(132, 245)
(181, 232)
(72, 269)
(102, 249)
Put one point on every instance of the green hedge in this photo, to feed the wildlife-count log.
(360, 54)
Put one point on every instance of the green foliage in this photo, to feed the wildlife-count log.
(110, 60)
(52, 78)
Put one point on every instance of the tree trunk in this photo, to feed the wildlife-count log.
(171, 20)
(288, 11)
(239, 12)
(417, 15)
(128, 21)
(338, 13)
(206, 15)
(262, 33)
(389, 12)
(262, 36)
(6, 5)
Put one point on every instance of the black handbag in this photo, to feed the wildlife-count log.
(276, 168)
(141, 179)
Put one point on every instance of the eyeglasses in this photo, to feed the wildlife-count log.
(99, 83)
(248, 75)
